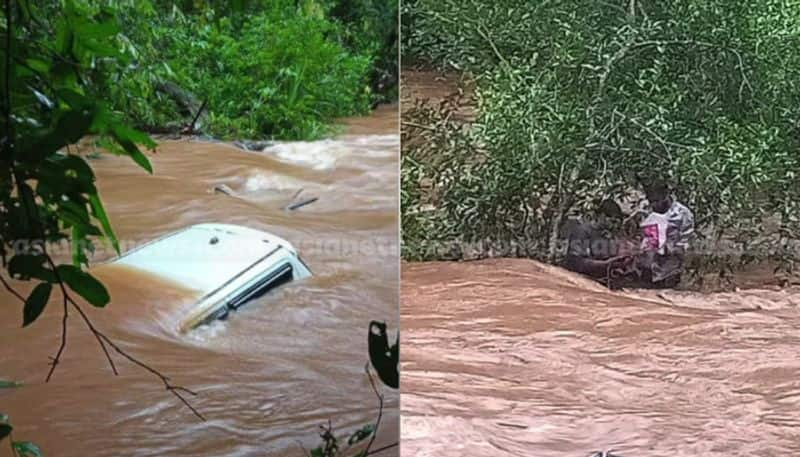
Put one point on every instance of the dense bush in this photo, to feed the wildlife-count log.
(271, 69)
(579, 100)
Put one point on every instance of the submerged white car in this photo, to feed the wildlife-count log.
(227, 264)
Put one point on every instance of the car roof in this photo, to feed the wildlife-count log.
(203, 257)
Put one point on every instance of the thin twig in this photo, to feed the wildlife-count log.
(381, 449)
(57, 358)
(11, 443)
(10, 289)
(103, 339)
(419, 126)
(483, 32)
(296, 194)
(173, 389)
(380, 409)
(300, 204)
(67, 298)
(197, 116)
(302, 448)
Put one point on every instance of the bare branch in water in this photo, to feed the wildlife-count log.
(104, 341)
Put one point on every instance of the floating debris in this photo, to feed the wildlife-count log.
(508, 424)
(297, 205)
(249, 145)
(301, 203)
(223, 189)
(605, 454)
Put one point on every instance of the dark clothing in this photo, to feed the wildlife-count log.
(658, 267)
(587, 243)
(642, 280)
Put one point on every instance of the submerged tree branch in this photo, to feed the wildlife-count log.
(103, 339)
(11, 290)
(381, 449)
(69, 300)
(380, 409)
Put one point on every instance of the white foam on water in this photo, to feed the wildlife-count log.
(319, 155)
(326, 154)
(207, 332)
(270, 181)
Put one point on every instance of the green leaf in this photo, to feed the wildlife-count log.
(100, 214)
(27, 449)
(39, 65)
(61, 176)
(36, 303)
(5, 430)
(76, 164)
(30, 266)
(75, 124)
(84, 285)
(70, 127)
(64, 37)
(4, 384)
(74, 213)
(135, 154)
(137, 137)
(99, 30)
(128, 139)
(78, 255)
(361, 434)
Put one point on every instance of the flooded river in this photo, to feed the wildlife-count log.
(276, 369)
(512, 357)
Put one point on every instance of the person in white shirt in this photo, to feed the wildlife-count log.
(661, 263)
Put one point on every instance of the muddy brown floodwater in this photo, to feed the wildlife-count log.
(512, 358)
(276, 369)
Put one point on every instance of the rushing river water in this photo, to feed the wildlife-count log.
(276, 369)
(513, 358)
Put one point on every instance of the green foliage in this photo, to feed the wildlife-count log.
(84, 285)
(330, 446)
(37, 300)
(49, 101)
(385, 360)
(272, 69)
(371, 28)
(580, 100)
(20, 448)
(361, 434)
(26, 449)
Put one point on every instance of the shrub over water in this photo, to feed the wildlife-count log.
(581, 100)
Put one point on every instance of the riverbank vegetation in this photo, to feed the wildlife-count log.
(249, 69)
(116, 69)
(282, 69)
(577, 101)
